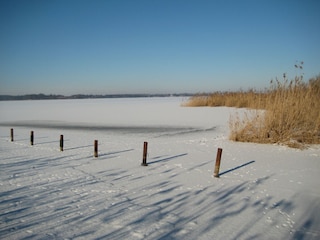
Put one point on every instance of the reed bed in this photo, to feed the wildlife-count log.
(240, 99)
(287, 113)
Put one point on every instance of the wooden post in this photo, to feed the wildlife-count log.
(61, 143)
(218, 160)
(145, 151)
(31, 138)
(11, 134)
(95, 148)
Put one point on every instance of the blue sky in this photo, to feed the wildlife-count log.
(156, 46)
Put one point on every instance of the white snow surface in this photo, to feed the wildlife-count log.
(263, 192)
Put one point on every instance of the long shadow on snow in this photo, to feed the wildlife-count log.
(167, 159)
(115, 152)
(171, 213)
(175, 212)
(36, 193)
(154, 209)
(235, 168)
(53, 141)
(310, 222)
(73, 148)
(50, 200)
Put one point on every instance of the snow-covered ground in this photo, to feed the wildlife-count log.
(264, 191)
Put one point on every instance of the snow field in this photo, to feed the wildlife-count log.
(264, 191)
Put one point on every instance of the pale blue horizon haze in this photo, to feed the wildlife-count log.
(160, 46)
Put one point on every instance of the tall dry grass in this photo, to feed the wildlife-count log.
(240, 99)
(291, 113)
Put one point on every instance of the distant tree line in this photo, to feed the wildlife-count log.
(84, 96)
(30, 97)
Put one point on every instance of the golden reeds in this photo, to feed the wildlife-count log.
(290, 116)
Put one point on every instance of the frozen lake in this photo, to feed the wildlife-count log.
(264, 191)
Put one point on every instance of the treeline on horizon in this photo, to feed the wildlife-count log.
(85, 96)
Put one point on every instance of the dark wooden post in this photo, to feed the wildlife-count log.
(11, 134)
(218, 160)
(31, 137)
(61, 143)
(145, 151)
(95, 148)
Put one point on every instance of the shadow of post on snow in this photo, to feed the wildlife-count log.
(236, 168)
(115, 152)
(168, 158)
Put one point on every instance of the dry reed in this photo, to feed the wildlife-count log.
(290, 116)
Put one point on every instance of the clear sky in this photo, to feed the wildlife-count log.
(154, 46)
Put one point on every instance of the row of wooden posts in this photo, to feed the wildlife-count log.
(144, 157)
